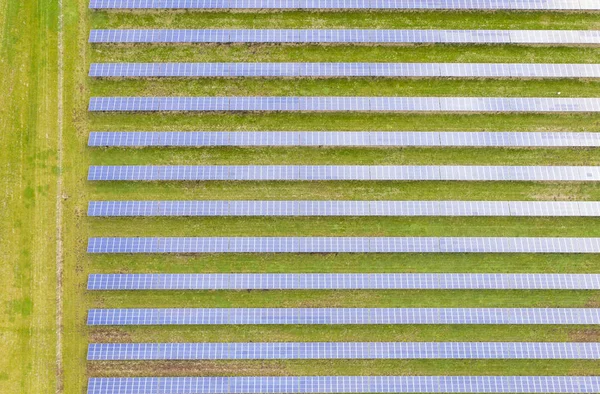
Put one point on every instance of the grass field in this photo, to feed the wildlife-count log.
(29, 174)
(28, 141)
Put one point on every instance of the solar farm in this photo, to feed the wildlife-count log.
(250, 236)
(304, 196)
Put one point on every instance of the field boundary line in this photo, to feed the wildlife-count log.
(59, 192)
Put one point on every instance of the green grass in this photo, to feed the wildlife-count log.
(363, 367)
(28, 132)
(344, 333)
(345, 190)
(346, 19)
(28, 77)
(385, 227)
(343, 53)
(352, 299)
(347, 156)
(364, 121)
(345, 87)
(452, 263)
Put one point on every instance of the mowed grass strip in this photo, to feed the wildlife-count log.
(346, 87)
(340, 263)
(344, 367)
(343, 190)
(348, 227)
(344, 53)
(345, 156)
(348, 299)
(343, 333)
(28, 176)
(131, 121)
(344, 20)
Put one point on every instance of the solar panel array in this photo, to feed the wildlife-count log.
(343, 104)
(348, 173)
(345, 281)
(341, 281)
(213, 316)
(576, 5)
(346, 384)
(343, 208)
(472, 70)
(344, 245)
(343, 350)
(344, 138)
(348, 36)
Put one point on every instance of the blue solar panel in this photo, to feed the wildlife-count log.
(558, 37)
(346, 384)
(351, 4)
(341, 281)
(324, 173)
(226, 316)
(343, 350)
(344, 138)
(343, 104)
(344, 245)
(454, 70)
(343, 208)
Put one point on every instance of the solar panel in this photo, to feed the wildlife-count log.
(343, 350)
(344, 245)
(354, 36)
(352, 4)
(346, 384)
(343, 138)
(453, 70)
(328, 173)
(342, 208)
(268, 316)
(342, 104)
(341, 281)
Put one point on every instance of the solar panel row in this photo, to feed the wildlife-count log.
(343, 208)
(351, 36)
(341, 281)
(352, 4)
(473, 70)
(346, 384)
(330, 173)
(218, 316)
(343, 104)
(343, 350)
(344, 138)
(344, 245)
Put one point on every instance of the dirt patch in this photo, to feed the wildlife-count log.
(585, 335)
(561, 192)
(109, 335)
(187, 368)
